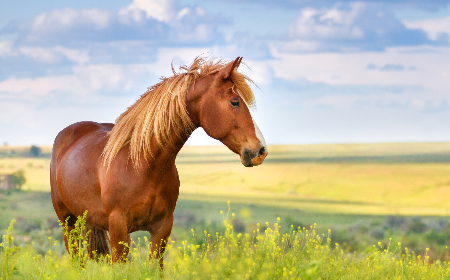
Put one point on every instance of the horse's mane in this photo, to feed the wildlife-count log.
(161, 111)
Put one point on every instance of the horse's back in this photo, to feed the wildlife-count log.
(73, 169)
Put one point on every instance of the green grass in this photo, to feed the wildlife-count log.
(36, 221)
(302, 253)
(34, 207)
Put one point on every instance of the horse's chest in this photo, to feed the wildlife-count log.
(154, 208)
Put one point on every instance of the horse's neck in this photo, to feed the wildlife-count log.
(167, 153)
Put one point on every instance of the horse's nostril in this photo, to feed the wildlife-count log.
(262, 151)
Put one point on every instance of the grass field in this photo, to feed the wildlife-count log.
(366, 193)
(301, 253)
(370, 179)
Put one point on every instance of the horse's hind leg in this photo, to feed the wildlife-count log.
(158, 240)
(63, 213)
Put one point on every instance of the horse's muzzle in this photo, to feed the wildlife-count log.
(251, 158)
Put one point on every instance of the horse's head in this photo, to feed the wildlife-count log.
(214, 104)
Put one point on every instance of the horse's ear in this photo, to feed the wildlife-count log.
(227, 70)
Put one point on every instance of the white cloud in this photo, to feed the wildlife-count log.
(6, 48)
(183, 12)
(259, 71)
(331, 23)
(24, 123)
(298, 45)
(418, 79)
(20, 57)
(68, 18)
(40, 54)
(75, 55)
(417, 101)
(159, 22)
(429, 64)
(161, 10)
(85, 80)
(27, 89)
(356, 26)
(435, 27)
(53, 54)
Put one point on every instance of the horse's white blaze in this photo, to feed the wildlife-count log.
(259, 134)
(257, 131)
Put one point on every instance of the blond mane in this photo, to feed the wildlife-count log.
(161, 111)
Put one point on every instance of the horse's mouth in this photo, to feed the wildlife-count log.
(250, 158)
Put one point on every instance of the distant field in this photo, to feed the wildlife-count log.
(366, 179)
(37, 171)
(22, 151)
(370, 179)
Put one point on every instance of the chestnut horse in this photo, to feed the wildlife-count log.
(124, 174)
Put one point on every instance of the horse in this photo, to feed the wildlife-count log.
(124, 174)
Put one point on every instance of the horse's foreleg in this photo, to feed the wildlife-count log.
(118, 234)
(159, 238)
(129, 240)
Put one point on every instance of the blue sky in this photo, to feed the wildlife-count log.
(328, 71)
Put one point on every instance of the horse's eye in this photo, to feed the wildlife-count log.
(235, 102)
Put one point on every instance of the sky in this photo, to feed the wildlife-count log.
(327, 71)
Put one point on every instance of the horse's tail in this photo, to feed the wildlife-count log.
(98, 242)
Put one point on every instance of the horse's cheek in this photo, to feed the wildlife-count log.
(214, 123)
